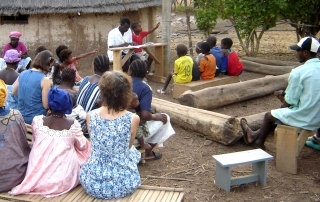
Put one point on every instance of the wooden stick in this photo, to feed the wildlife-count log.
(168, 178)
(160, 188)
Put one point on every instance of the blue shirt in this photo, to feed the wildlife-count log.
(217, 53)
(144, 94)
(303, 94)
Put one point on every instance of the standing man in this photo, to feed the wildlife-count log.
(120, 37)
(301, 99)
(21, 48)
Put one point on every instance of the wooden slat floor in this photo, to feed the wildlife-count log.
(143, 193)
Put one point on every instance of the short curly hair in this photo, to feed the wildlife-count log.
(65, 54)
(116, 90)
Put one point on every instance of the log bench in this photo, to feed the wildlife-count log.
(179, 89)
(257, 157)
(289, 143)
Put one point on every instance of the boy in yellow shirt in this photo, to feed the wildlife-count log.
(182, 72)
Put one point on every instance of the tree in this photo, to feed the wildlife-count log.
(206, 13)
(304, 16)
(251, 19)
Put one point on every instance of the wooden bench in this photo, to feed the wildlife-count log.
(179, 89)
(143, 193)
(257, 157)
(289, 143)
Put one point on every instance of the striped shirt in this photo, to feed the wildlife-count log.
(87, 96)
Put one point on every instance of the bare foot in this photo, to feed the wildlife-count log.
(247, 132)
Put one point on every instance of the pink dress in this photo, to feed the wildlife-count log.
(54, 161)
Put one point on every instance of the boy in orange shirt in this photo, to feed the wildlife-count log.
(207, 63)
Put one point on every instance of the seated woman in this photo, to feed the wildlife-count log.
(58, 150)
(32, 87)
(14, 148)
(89, 92)
(112, 171)
(156, 127)
(9, 76)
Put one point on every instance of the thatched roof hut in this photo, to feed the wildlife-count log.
(83, 25)
(29, 7)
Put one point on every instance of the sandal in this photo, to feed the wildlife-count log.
(156, 156)
(161, 91)
(314, 145)
(314, 138)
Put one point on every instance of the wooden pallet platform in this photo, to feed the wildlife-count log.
(143, 193)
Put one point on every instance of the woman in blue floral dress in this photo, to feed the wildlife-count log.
(112, 171)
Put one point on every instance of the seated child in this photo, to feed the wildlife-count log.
(137, 36)
(142, 131)
(198, 51)
(67, 61)
(195, 70)
(230, 60)
(68, 78)
(207, 63)
(182, 72)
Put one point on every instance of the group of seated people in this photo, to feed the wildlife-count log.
(82, 137)
(210, 62)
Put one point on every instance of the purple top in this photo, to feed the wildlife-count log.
(21, 47)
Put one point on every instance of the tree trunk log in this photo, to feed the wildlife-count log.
(255, 120)
(219, 96)
(271, 62)
(217, 127)
(266, 69)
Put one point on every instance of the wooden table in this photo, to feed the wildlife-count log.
(161, 71)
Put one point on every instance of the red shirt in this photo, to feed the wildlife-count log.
(138, 39)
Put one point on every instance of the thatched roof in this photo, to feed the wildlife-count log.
(27, 7)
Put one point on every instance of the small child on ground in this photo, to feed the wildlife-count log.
(182, 72)
(142, 131)
(207, 63)
(137, 36)
(231, 64)
(67, 61)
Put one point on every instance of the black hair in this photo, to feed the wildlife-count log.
(65, 54)
(182, 49)
(40, 48)
(125, 21)
(68, 74)
(228, 42)
(205, 47)
(101, 64)
(138, 69)
(60, 48)
(212, 40)
(134, 25)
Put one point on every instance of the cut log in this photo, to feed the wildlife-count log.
(271, 62)
(218, 96)
(255, 120)
(266, 69)
(217, 127)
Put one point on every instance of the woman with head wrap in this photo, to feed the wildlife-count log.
(32, 87)
(58, 150)
(89, 92)
(14, 148)
(20, 47)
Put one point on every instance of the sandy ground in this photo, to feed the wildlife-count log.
(186, 155)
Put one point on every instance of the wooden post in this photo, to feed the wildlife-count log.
(166, 33)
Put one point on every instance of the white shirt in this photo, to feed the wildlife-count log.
(115, 38)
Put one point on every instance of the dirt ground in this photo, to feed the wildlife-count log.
(186, 155)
